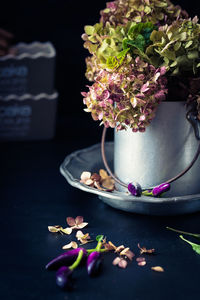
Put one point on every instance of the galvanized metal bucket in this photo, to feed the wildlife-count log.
(166, 147)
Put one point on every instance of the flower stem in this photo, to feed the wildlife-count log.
(77, 261)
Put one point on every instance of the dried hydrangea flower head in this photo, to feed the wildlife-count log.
(134, 48)
(128, 97)
(122, 11)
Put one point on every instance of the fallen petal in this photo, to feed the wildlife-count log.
(139, 259)
(66, 230)
(79, 220)
(142, 263)
(72, 244)
(54, 228)
(122, 263)
(70, 221)
(85, 176)
(82, 225)
(116, 261)
(157, 269)
(103, 173)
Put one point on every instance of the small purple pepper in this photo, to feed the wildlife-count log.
(63, 277)
(135, 189)
(158, 190)
(65, 259)
(94, 263)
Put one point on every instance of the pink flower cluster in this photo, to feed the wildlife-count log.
(128, 98)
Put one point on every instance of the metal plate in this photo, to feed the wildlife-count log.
(89, 159)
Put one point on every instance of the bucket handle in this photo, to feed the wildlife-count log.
(192, 118)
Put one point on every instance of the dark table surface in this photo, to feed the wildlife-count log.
(34, 195)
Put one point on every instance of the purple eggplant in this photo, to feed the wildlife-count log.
(63, 277)
(135, 189)
(94, 262)
(65, 259)
(158, 190)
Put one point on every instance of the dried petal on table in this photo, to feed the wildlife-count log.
(58, 228)
(128, 253)
(157, 269)
(72, 244)
(139, 259)
(76, 223)
(145, 250)
(55, 228)
(142, 263)
(83, 238)
(120, 262)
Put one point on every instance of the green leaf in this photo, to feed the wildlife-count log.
(99, 238)
(89, 30)
(193, 54)
(196, 235)
(177, 45)
(188, 44)
(195, 247)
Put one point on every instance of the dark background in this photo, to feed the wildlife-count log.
(62, 22)
(33, 194)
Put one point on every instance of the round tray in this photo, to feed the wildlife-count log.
(89, 159)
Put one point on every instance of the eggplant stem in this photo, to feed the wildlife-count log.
(93, 250)
(77, 261)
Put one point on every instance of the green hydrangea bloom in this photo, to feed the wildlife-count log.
(176, 46)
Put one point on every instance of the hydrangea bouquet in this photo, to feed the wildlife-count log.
(141, 53)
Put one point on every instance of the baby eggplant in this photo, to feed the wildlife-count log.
(158, 190)
(63, 277)
(65, 259)
(94, 263)
(135, 189)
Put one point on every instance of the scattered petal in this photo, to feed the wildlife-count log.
(55, 228)
(83, 238)
(85, 176)
(70, 221)
(144, 250)
(112, 245)
(82, 225)
(116, 261)
(122, 263)
(66, 230)
(128, 253)
(119, 248)
(142, 263)
(76, 223)
(103, 174)
(72, 244)
(157, 269)
(139, 259)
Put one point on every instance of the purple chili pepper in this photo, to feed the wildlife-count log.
(158, 190)
(94, 263)
(135, 189)
(65, 259)
(63, 277)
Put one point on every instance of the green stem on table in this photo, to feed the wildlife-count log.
(197, 235)
(77, 261)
